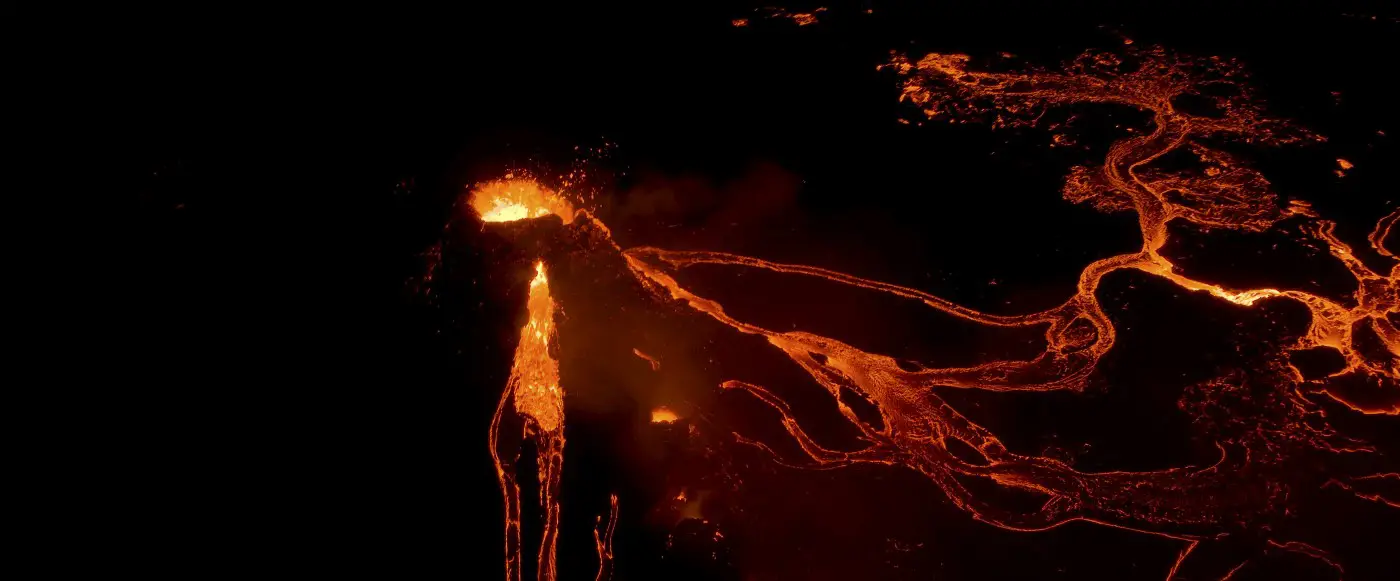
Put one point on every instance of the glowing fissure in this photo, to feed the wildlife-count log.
(917, 427)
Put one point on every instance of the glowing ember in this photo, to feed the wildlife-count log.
(662, 415)
(800, 18)
(1342, 167)
(518, 199)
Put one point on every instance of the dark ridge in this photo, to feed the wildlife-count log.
(864, 409)
(1017, 500)
(907, 365)
(1317, 362)
(964, 451)
(1197, 105)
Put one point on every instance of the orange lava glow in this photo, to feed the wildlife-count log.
(917, 427)
(799, 18)
(918, 430)
(537, 392)
(1342, 167)
(603, 541)
(654, 362)
(662, 415)
(538, 403)
(514, 199)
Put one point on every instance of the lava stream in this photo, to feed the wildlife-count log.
(602, 541)
(1189, 503)
(536, 398)
(1242, 495)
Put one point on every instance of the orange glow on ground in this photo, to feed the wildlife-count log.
(662, 415)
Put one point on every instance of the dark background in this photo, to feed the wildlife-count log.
(284, 401)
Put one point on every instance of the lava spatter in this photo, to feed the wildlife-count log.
(513, 199)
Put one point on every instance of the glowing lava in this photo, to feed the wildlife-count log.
(662, 415)
(1249, 485)
(1263, 422)
(654, 362)
(514, 199)
(538, 400)
(603, 541)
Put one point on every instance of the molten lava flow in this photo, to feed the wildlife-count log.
(537, 393)
(654, 362)
(602, 541)
(539, 401)
(509, 200)
(662, 415)
(1262, 419)
(917, 427)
